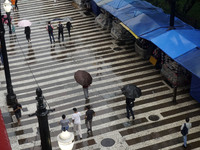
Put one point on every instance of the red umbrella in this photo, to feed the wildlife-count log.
(83, 78)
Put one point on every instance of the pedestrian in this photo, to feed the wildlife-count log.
(16, 7)
(129, 106)
(64, 123)
(88, 118)
(60, 31)
(184, 130)
(69, 26)
(76, 119)
(27, 31)
(50, 31)
(85, 91)
(13, 4)
(17, 111)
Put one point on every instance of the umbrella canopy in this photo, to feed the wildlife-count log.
(66, 19)
(83, 78)
(131, 91)
(24, 23)
(56, 20)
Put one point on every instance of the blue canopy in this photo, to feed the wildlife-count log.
(151, 23)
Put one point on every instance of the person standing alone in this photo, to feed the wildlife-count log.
(60, 31)
(184, 131)
(50, 31)
(27, 31)
(76, 119)
(88, 118)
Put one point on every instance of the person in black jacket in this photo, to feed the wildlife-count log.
(60, 31)
(27, 31)
(68, 26)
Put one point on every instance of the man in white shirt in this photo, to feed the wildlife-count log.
(77, 122)
(188, 125)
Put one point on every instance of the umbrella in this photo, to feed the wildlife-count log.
(57, 19)
(83, 78)
(24, 23)
(67, 19)
(131, 91)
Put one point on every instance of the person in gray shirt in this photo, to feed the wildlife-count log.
(64, 123)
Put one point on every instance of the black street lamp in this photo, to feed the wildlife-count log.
(7, 7)
(172, 12)
(10, 97)
(42, 115)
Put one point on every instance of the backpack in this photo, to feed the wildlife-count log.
(184, 131)
(50, 29)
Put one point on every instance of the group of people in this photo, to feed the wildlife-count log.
(60, 27)
(50, 29)
(14, 5)
(76, 120)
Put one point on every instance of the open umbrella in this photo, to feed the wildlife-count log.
(67, 19)
(131, 91)
(56, 20)
(24, 23)
(83, 78)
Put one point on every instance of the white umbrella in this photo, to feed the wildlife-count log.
(24, 23)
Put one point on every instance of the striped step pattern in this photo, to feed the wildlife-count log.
(52, 67)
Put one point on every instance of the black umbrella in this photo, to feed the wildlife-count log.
(83, 78)
(131, 91)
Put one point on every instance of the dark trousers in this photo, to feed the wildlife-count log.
(129, 110)
(68, 31)
(59, 36)
(28, 37)
(88, 124)
(51, 35)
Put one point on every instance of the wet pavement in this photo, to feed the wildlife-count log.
(52, 67)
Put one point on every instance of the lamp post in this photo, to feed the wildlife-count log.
(42, 115)
(7, 7)
(11, 97)
(65, 140)
(172, 13)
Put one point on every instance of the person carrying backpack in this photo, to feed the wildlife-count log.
(50, 31)
(184, 131)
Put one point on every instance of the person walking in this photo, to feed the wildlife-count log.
(27, 31)
(129, 105)
(60, 31)
(50, 31)
(64, 123)
(16, 7)
(17, 111)
(69, 26)
(88, 118)
(185, 130)
(76, 119)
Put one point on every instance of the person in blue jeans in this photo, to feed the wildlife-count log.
(129, 105)
(50, 31)
(188, 125)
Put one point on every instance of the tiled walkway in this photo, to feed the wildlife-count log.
(90, 48)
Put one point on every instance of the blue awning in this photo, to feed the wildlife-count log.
(191, 61)
(151, 23)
